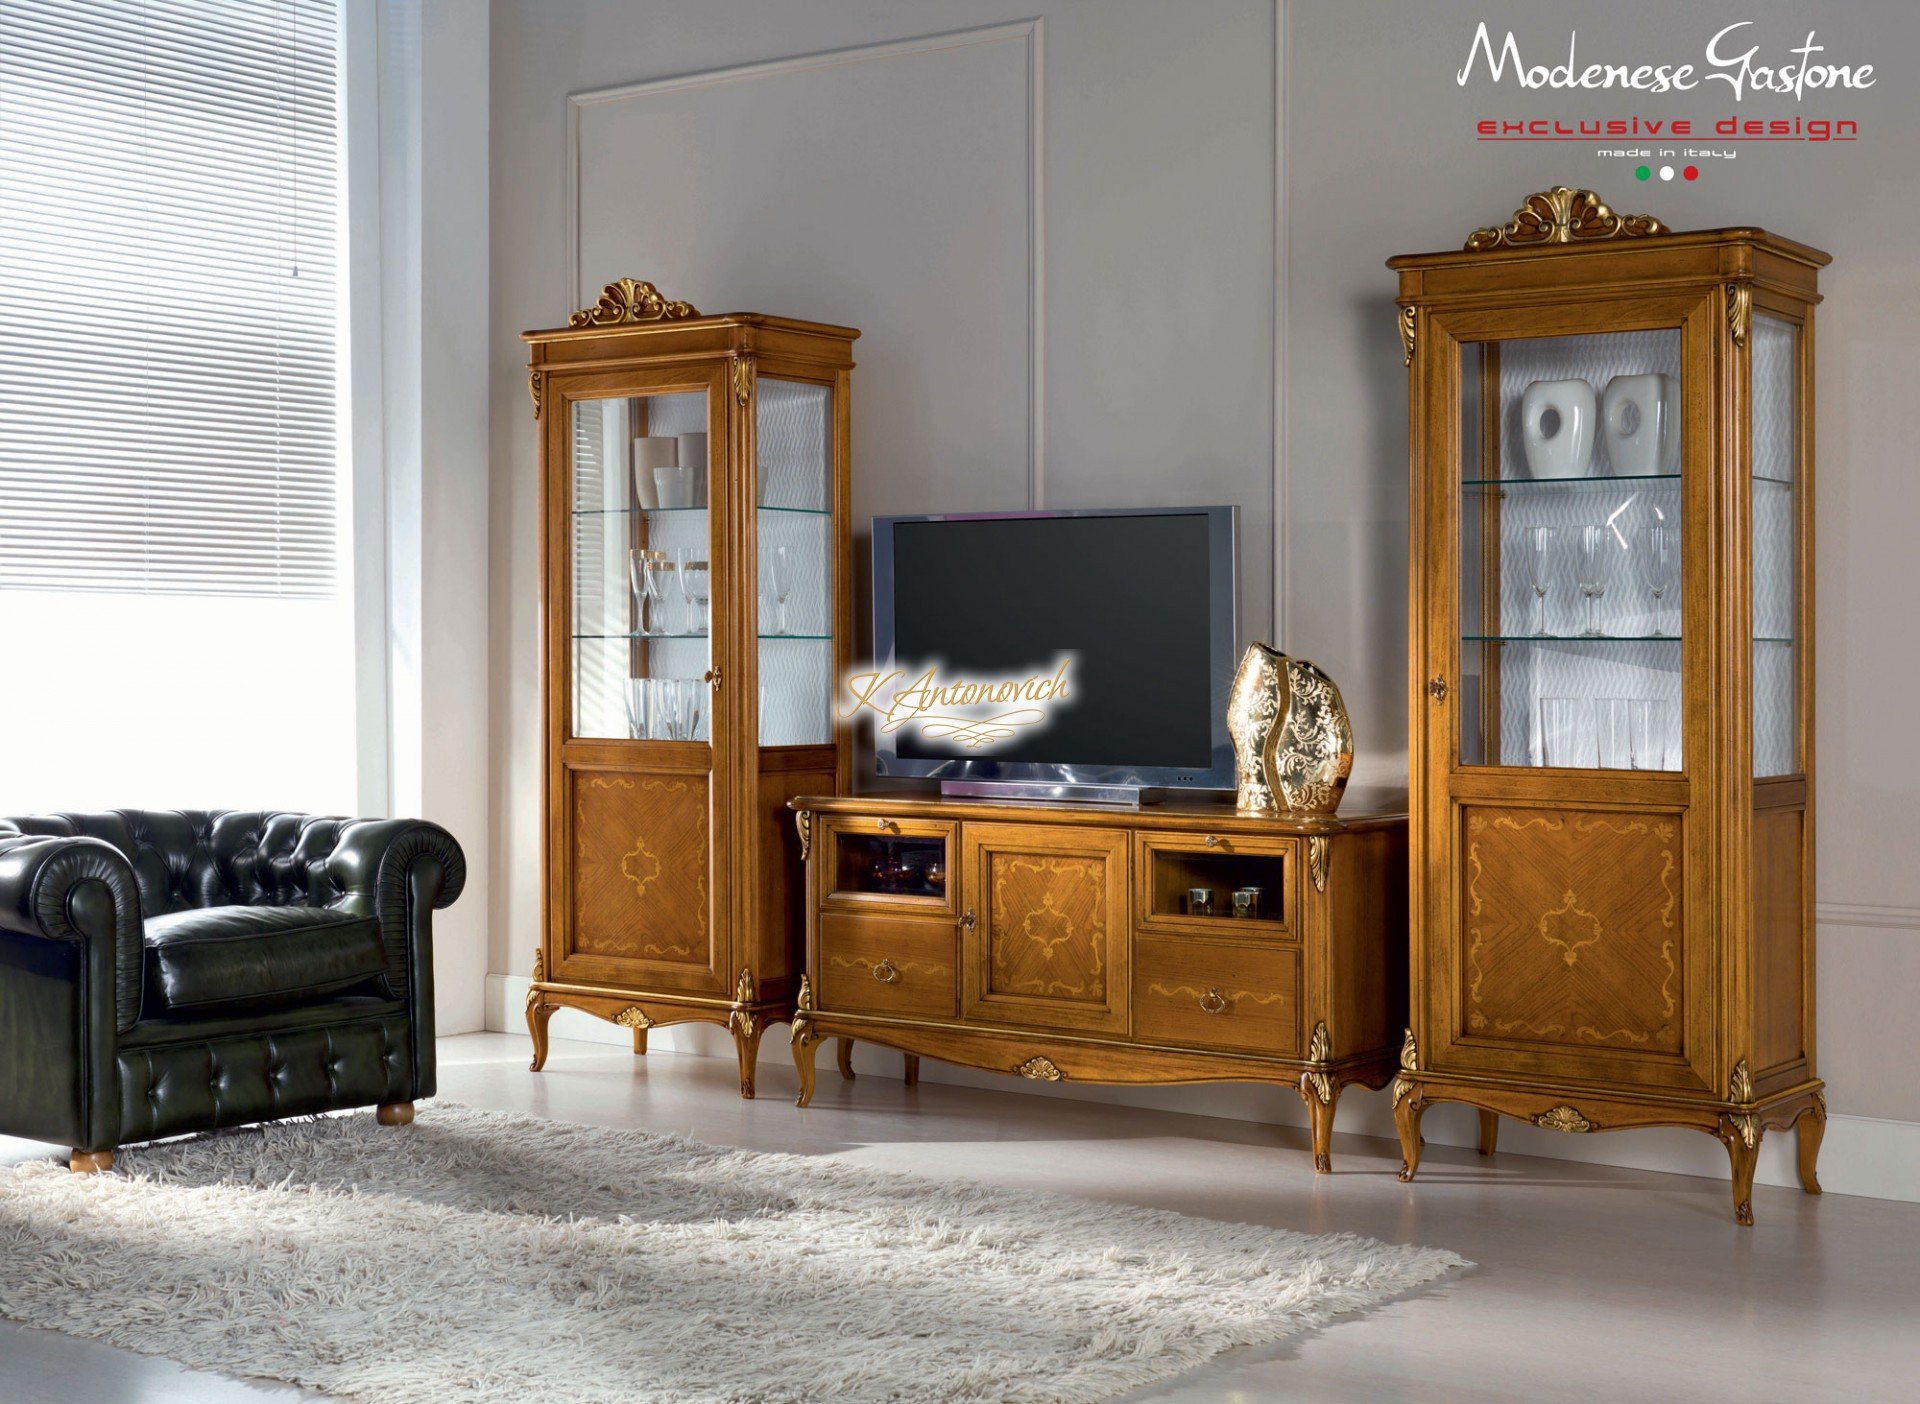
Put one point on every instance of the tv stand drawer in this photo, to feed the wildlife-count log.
(1195, 993)
(880, 862)
(874, 963)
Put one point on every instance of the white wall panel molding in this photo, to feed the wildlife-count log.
(1031, 34)
(1866, 914)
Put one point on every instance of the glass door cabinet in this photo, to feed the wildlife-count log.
(1611, 449)
(695, 542)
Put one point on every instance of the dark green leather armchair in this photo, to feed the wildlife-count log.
(164, 972)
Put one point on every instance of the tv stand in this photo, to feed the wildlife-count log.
(1056, 941)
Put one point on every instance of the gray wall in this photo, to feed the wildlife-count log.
(1158, 372)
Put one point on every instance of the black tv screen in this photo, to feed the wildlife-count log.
(1141, 603)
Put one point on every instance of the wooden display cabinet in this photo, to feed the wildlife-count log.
(1056, 942)
(695, 551)
(1612, 704)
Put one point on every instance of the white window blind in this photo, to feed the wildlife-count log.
(169, 212)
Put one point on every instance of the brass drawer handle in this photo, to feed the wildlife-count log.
(1213, 1001)
(1212, 842)
(886, 972)
(884, 825)
(967, 920)
(1438, 687)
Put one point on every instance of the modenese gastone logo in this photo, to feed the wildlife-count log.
(1723, 61)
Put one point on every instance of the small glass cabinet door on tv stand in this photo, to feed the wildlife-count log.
(696, 610)
(1612, 836)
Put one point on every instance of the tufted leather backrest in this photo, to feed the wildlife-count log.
(209, 858)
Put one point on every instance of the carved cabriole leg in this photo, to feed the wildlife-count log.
(912, 1075)
(1406, 1120)
(1808, 1130)
(1320, 1114)
(1742, 1140)
(538, 1014)
(90, 1162)
(747, 1029)
(805, 1038)
(1489, 1132)
(394, 1114)
(843, 1050)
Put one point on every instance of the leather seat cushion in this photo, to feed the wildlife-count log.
(260, 957)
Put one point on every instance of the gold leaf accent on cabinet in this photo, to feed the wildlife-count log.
(1409, 1062)
(1319, 849)
(1740, 1091)
(1739, 311)
(743, 378)
(1038, 1069)
(534, 386)
(1320, 1050)
(1408, 330)
(629, 300)
(803, 821)
(633, 1017)
(1563, 1118)
(1563, 216)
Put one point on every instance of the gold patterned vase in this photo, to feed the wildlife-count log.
(1292, 741)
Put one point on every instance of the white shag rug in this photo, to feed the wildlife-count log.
(482, 1256)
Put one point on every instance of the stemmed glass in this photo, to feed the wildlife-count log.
(780, 574)
(643, 573)
(1541, 543)
(1593, 571)
(657, 575)
(1658, 557)
(694, 585)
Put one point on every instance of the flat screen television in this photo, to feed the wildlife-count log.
(1139, 605)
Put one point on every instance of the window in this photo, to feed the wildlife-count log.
(173, 598)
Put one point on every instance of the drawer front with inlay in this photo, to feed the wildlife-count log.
(872, 964)
(1196, 993)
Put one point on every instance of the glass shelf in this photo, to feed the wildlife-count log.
(1576, 484)
(656, 638)
(674, 511)
(1589, 638)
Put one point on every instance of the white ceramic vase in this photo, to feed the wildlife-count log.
(1640, 419)
(1564, 449)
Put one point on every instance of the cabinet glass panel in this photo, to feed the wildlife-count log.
(793, 427)
(1776, 574)
(907, 866)
(1570, 551)
(642, 589)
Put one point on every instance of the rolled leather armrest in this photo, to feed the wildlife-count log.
(400, 871)
(80, 891)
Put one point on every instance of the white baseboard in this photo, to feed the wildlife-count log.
(1862, 1155)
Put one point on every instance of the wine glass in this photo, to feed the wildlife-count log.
(658, 570)
(1657, 555)
(780, 573)
(694, 585)
(1541, 545)
(1593, 572)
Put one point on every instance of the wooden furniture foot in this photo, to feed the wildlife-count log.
(747, 1029)
(538, 1015)
(1745, 1158)
(90, 1162)
(805, 1043)
(640, 1043)
(394, 1114)
(1489, 1132)
(1808, 1131)
(912, 1075)
(843, 1050)
(1320, 1115)
(1406, 1120)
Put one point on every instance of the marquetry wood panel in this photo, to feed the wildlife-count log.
(638, 867)
(1190, 992)
(1048, 938)
(1574, 928)
(879, 964)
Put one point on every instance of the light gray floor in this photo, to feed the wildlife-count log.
(1593, 1283)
